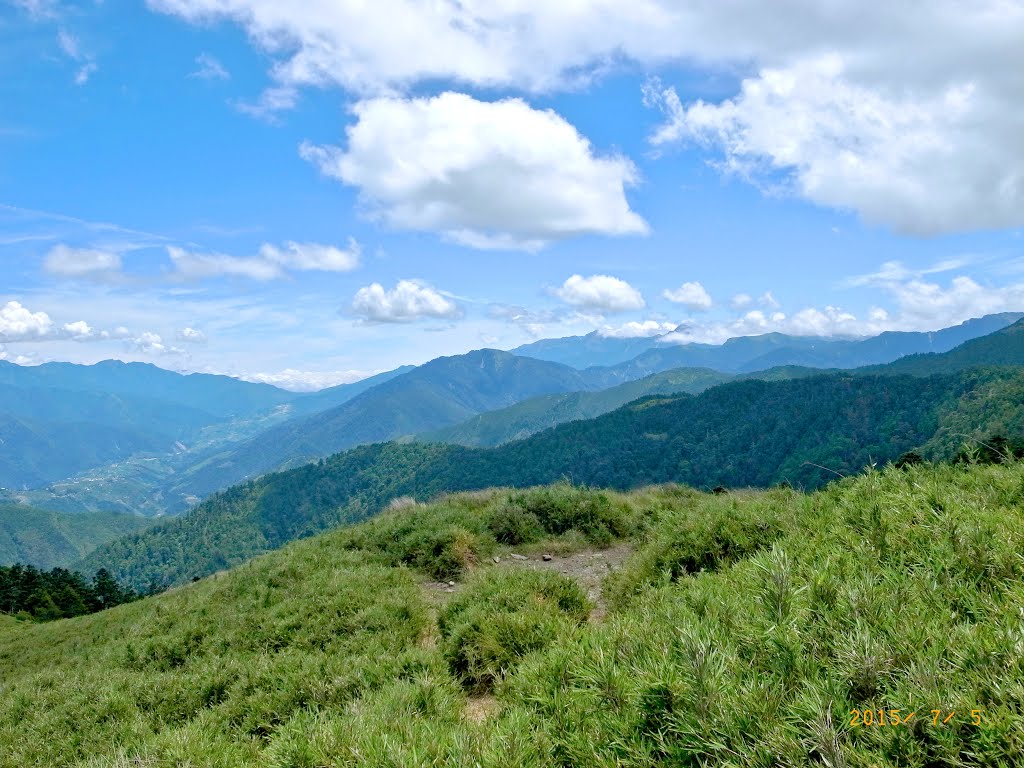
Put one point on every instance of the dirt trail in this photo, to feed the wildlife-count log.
(588, 568)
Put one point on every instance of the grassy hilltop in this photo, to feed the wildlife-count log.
(741, 630)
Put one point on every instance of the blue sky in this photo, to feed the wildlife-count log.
(308, 195)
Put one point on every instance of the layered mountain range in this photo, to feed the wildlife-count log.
(138, 440)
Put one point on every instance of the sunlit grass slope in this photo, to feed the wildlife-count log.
(742, 631)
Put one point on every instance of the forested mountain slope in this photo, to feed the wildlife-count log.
(48, 539)
(539, 413)
(437, 394)
(749, 433)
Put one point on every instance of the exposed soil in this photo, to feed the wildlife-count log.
(479, 708)
(588, 567)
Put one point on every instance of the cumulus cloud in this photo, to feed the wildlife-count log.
(741, 300)
(602, 293)
(307, 381)
(693, 296)
(79, 330)
(393, 43)
(918, 305)
(20, 324)
(633, 330)
(153, 344)
(313, 256)
(906, 113)
(191, 336)
(66, 261)
(936, 158)
(484, 174)
(209, 68)
(407, 302)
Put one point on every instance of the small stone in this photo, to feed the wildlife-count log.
(451, 583)
(547, 558)
(449, 591)
(520, 557)
(496, 559)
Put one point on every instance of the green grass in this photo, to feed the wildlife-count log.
(742, 631)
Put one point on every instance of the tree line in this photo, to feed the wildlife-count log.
(29, 592)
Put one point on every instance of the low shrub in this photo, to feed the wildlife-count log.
(715, 535)
(504, 615)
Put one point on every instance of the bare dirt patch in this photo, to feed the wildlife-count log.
(588, 567)
(479, 708)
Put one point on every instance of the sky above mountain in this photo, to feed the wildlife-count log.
(306, 193)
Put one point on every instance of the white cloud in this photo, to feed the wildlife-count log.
(741, 300)
(202, 265)
(693, 296)
(307, 381)
(766, 299)
(600, 292)
(39, 9)
(409, 301)
(149, 343)
(19, 324)
(209, 68)
(926, 161)
(905, 112)
(392, 43)
(69, 44)
(632, 330)
(191, 336)
(72, 48)
(85, 72)
(79, 262)
(484, 174)
(271, 263)
(79, 330)
(313, 256)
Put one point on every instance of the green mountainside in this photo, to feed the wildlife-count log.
(803, 431)
(539, 413)
(49, 539)
(742, 629)
(437, 394)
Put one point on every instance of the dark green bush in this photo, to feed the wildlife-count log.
(563, 507)
(704, 540)
(511, 524)
(504, 615)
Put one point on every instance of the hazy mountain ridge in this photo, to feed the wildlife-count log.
(537, 414)
(736, 434)
(745, 354)
(437, 394)
(433, 399)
